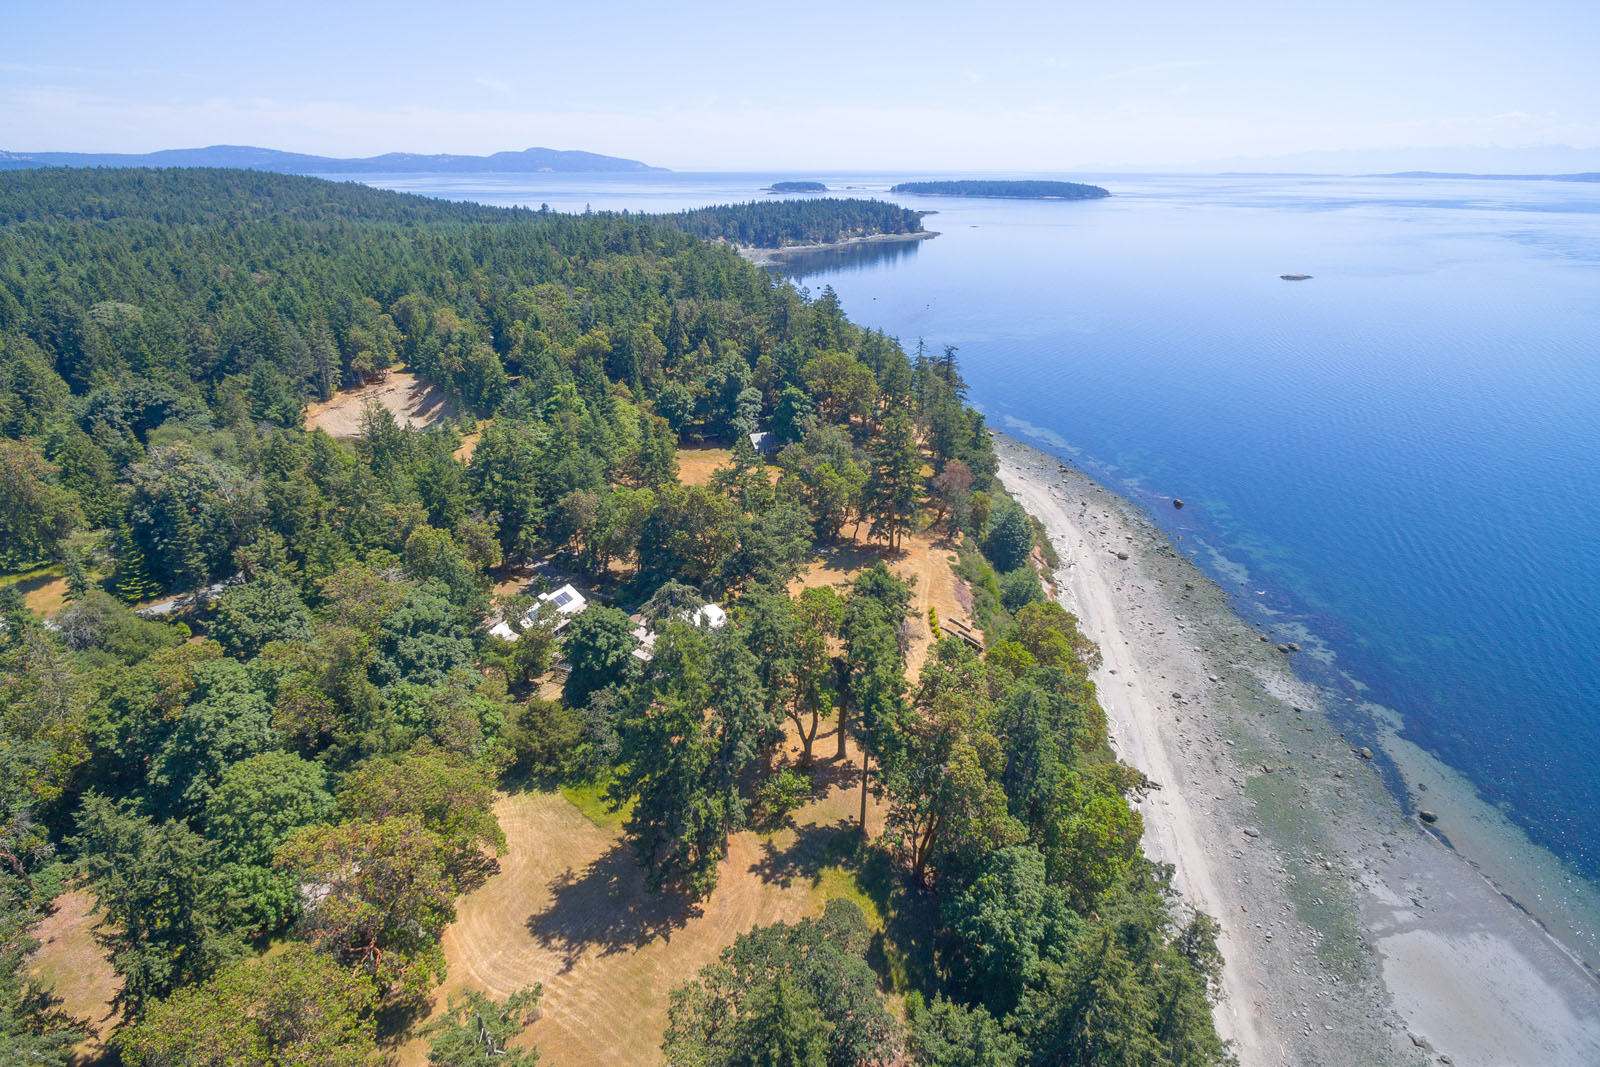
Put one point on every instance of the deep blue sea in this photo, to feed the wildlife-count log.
(1396, 458)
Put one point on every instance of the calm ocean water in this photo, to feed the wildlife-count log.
(1396, 459)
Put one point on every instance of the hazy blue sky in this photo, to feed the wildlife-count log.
(817, 83)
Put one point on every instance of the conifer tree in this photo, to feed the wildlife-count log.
(133, 582)
(894, 481)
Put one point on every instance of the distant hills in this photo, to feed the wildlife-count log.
(269, 159)
(1465, 159)
(1587, 177)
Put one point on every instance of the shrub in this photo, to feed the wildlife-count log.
(780, 795)
(1019, 588)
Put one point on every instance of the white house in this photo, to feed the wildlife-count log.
(709, 617)
(566, 602)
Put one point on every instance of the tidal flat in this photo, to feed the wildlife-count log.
(1353, 935)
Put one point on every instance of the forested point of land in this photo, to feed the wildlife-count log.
(303, 754)
(777, 223)
(799, 187)
(1020, 190)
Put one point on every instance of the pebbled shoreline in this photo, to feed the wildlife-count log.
(1352, 935)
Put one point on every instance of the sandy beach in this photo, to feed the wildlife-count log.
(1352, 934)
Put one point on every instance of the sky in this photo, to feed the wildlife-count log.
(1027, 86)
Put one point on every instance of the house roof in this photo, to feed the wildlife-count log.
(567, 601)
(712, 617)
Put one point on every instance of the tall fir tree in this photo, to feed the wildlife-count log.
(894, 480)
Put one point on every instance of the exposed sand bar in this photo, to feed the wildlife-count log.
(1351, 935)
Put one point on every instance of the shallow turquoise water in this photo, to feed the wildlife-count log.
(1397, 457)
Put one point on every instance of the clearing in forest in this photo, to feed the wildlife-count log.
(74, 967)
(697, 465)
(927, 556)
(412, 401)
(569, 909)
(44, 591)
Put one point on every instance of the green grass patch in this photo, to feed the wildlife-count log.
(35, 575)
(836, 881)
(590, 798)
(901, 919)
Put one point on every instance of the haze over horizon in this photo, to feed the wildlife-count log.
(935, 86)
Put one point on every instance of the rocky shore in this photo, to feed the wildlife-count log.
(1353, 934)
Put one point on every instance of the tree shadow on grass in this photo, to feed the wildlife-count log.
(608, 908)
(903, 952)
(814, 846)
(831, 772)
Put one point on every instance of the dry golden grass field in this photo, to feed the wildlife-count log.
(569, 910)
(697, 465)
(71, 963)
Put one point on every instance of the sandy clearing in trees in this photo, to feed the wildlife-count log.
(75, 968)
(44, 594)
(469, 442)
(697, 465)
(413, 401)
(926, 556)
(569, 909)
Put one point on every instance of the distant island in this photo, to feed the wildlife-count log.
(768, 230)
(1587, 176)
(798, 187)
(531, 160)
(1014, 190)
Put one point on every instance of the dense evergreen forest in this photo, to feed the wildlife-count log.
(306, 755)
(1018, 190)
(776, 223)
(799, 187)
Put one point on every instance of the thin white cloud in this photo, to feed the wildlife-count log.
(493, 83)
(1159, 68)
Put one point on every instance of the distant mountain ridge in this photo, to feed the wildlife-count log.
(270, 159)
(1590, 176)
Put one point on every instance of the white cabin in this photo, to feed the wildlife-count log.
(565, 601)
(709, 617)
